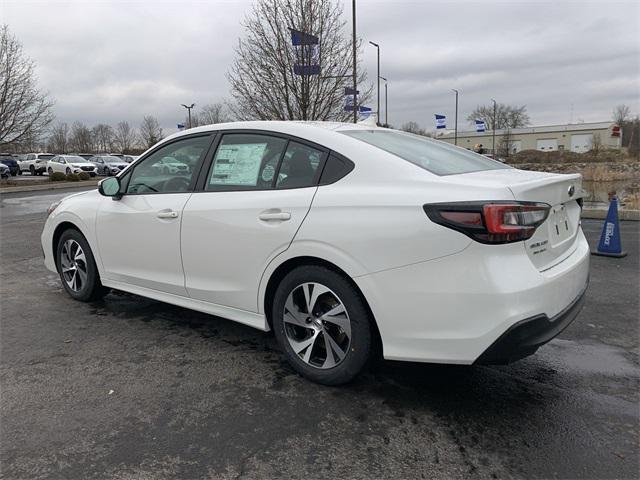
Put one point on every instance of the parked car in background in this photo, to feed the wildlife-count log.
(71, 164)
(4, 171)
(130, 158)
(345, 240)
(35, 163)
(108, 164)
(168, 165)
(86, 156)
(10, 161)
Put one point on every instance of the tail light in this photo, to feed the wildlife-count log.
(490, 222)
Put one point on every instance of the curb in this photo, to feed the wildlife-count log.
(599, 214)
(49, 186)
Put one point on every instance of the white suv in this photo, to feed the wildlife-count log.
(35, 163)
(71, 164)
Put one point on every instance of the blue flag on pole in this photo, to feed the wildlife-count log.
(480, 126)
(180, 126)
(301, 38)
(610, 244)
(441, 121)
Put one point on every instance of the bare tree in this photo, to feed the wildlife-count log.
(505, 147)
(102, 137)
(507, 116)
(263, 83)
(150, 131)
(124, 137)
(213, 113)
(621, 114)
(80, 139)
(59, 138)
(413, 127)
(25, 111)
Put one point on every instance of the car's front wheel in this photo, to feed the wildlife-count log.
(77, 267)
(50, 170)
(322, 324)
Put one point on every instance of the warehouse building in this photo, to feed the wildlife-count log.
(577, 138)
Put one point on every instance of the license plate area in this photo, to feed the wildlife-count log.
(560, 227)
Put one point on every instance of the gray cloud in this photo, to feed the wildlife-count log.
(120, 60)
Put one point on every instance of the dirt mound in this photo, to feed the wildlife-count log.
(536, 156)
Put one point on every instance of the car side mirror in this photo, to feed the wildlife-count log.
(110, 187)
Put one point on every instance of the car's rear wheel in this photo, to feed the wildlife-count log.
(50, 170)
(322, 324)
(77, 267)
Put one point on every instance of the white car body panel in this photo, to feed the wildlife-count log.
(436, 294)
(226, 246)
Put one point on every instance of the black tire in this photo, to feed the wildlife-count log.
(32, 170)
(68, 171)
(92, 289)
(14, 173)
(361, 344)
(19, 171)
(50, 170)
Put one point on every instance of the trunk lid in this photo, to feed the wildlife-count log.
(554, 240)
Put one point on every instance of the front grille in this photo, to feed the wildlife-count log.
(87, 169)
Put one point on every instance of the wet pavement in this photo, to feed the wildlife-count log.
(134, 388)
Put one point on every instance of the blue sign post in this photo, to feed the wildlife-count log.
(610, 244)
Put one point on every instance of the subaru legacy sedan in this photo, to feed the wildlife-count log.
(348, 241)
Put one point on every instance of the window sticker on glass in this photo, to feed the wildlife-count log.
(238, 164)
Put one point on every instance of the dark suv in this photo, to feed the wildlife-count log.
(11, 162)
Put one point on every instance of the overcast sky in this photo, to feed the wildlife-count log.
(107, 61)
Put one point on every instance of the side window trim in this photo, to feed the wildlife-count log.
(200, 186)
(349, 167)
(124, 182)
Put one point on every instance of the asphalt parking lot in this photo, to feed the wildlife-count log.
(134, 388)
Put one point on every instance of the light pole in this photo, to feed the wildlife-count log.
(493, 148)
(378, 48)
(455, 135)
(355, 78)
(386, 105)
(189, 110)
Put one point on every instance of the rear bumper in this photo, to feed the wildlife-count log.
(453, 309)
(526, 336)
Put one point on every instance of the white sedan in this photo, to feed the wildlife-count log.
(71, 164)
(345, 240)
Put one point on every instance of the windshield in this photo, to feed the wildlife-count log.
(112, 159)
(75, 159)
(434, 156)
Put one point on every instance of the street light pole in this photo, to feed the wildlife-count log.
(493, 148)
(355, 78)
(378, 48)
(455, 137)
(189, 110)
(386, 105)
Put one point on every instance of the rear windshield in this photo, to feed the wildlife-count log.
(434, 156)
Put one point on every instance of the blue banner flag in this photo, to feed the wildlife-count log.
(441, 121)
(306, 69)
(349, 91)
(180, 126)
(302, 38)
(480, 126)
(610, 244)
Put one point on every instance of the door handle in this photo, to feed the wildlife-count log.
(167, 214)
(282, 216)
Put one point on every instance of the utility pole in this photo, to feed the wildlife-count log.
(494, 130)
(189, 110)
(386, 105)
(378, 48)
(355, 77)
(455, 135)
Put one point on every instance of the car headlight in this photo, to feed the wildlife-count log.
(53, 206)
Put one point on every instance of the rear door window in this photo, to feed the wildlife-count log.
(300, 166)
(245, 162)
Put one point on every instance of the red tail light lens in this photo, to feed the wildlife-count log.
(490, 222)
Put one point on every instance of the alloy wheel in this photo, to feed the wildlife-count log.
(317, 325)
(74, 265)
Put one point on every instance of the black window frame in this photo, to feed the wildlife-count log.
(124, 180)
